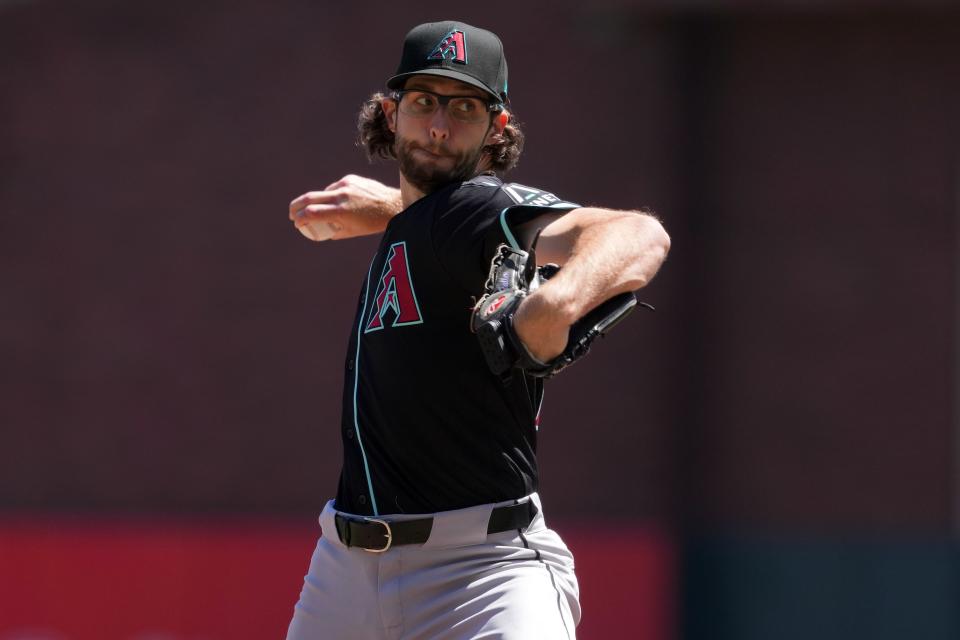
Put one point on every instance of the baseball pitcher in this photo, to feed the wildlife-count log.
(479, 291)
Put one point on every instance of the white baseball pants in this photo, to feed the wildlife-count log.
(462, 583)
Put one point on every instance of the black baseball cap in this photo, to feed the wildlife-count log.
(454, 50)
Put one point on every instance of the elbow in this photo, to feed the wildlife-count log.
(663, 243)
(652, 247)
(661, 239)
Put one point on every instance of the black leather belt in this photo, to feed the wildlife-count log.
(377, 535)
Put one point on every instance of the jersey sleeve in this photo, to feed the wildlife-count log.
(480, 217)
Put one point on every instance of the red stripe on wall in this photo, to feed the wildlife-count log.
(76, 580)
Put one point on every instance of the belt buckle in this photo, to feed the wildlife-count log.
(389, 535)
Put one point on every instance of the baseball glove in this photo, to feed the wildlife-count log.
(513, 276)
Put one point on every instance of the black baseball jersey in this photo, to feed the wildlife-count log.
(426, 426)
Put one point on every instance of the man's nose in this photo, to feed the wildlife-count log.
(439, 126)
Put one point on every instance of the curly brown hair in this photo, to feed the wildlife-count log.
(378, 141)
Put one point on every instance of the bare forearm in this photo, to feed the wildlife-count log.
(606, 253)
(353, 206)
(603, 253)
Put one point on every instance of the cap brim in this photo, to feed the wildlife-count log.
(396, 82)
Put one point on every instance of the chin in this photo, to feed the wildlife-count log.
(429, 172)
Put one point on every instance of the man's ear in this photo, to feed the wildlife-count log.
(389, 106)
(499, 124)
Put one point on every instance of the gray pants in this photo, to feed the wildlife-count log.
(461, 583)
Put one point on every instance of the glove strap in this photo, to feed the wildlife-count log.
(525, 360)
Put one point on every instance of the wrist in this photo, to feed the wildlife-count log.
(394, 203)
(540, 328)
(553, 305)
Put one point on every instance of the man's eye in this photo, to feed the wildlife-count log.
(424, 101)
(465, 106)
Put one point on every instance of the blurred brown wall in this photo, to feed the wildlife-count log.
(825, 237)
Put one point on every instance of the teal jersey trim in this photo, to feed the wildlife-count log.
(506, 229)
(356, 384)
(568, 206)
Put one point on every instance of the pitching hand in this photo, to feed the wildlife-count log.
(352, 206)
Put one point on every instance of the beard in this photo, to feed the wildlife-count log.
(426, 177)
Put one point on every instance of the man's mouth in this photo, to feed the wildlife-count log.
(434, 153)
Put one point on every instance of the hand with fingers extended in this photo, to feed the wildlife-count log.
(350, 207)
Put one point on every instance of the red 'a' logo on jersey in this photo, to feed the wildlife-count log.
(453, 46)
(395, 294)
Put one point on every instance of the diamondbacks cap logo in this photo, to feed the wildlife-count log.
(395, 292)
(452, 46)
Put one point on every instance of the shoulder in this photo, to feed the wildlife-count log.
(509, 210)
(491, 192)
(525, 196)
(527, 209)
(481, 192)
(480, 199)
